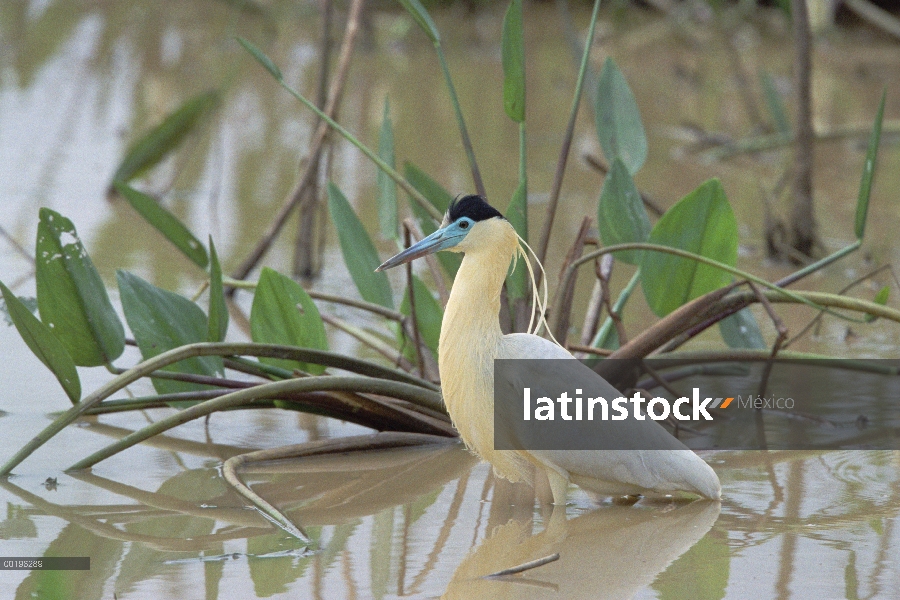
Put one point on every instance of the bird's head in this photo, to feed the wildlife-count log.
(469, 223)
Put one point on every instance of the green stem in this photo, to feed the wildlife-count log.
(570, 272)
(567, 142)
(390, 171)
(268, 391)
(143, 369)
(607, 327)
(461, 123)
(812, 268)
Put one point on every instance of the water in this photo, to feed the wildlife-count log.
(78, 78)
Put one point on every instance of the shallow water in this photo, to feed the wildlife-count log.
(79, 78)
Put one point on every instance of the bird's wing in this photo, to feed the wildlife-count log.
(641, 453)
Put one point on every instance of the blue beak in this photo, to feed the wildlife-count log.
(443, 238)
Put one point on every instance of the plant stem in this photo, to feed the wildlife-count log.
(272, 390)
(600, 339)
(567, 144)
(210, 349)
(461, 123)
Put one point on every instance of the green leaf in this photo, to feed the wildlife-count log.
(283, 313)
(517, 214)
(774, 103)
(388, 220)
(422, 18)
(160, 321)
(261, 58)
(619, 126)
(359, 253)
(164, 222)
(429, 315)
(880, 298)
(621, 217)
(218, 310)
(865, 186)
(741, 330)
(440, 198)
(154, 145)
(513, 55)
(702, 223)
(29, 302)
(44, 344)
(71, 296)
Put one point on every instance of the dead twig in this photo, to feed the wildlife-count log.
(532, 564)
(298, 194)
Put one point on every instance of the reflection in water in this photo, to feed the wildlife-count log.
(428, 521)
(612, 552)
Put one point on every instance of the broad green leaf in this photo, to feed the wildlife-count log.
(513, 56)
(283, 313)
(774, 103)
(422, 18)
(218, 310)
(261, 58)
(429, 315)
(741, 330)
(154, 145)
(164, 222)
(702, 223)
(865, 186)
(880, 298)
(619, 126)
(517, 214)
(44, 344)
(621, 216)
(29, 302)
(71, 296)
(160, 321)
(388, 220)
(441, 199)
(359, 253)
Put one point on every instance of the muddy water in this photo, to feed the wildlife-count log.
(78, 78)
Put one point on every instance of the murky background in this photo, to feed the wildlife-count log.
(79, 79)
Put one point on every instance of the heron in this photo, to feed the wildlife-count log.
(470, 341)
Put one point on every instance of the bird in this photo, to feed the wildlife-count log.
(471, 339)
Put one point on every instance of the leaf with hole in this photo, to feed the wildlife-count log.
(702, 223)
(359, 253)
(513, 58)
(218, 310)
(45, 345)
(165, 222)
(621, 217)
(865, 185)
(71, 297)
(154, 145)
(283, 313)
(161, 321)
(618, 120)
(388, 220)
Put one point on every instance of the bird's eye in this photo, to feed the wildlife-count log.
(463, 224)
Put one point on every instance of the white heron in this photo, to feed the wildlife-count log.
(471, 340)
